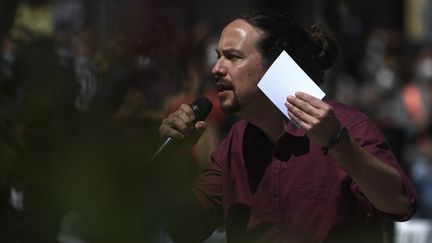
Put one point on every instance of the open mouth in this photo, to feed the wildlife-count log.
(220, 87)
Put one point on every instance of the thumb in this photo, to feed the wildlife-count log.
(200, 127)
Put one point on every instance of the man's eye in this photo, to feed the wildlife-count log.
(232, 57)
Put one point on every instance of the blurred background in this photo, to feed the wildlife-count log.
(84, 86)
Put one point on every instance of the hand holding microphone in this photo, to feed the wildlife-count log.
(187, 123)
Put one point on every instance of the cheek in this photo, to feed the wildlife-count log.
(248, 75)
(254, 76)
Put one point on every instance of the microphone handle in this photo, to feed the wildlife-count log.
(166, 142)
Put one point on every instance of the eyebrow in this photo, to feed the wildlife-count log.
(229, 50)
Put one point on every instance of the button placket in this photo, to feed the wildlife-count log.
(275, 196)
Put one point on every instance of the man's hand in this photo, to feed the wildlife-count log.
(379, 182)
(315, 116)
(180, 125)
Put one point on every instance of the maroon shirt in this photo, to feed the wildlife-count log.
(290, 191)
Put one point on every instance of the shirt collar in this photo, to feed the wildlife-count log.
(292, 142)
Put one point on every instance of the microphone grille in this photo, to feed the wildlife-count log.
(201, 108)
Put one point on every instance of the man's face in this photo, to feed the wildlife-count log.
(239, 68)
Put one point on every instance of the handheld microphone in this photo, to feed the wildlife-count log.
(201, 108)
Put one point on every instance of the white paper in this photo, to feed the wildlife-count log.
(285, 78)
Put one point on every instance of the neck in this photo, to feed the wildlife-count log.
(269, 119)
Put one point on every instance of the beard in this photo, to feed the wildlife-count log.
(231, 105)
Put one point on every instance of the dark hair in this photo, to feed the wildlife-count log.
(313, 49)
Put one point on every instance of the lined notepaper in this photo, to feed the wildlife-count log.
(284, 78)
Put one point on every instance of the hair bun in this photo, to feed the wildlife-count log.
(326, 49)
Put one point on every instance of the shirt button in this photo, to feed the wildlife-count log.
(275, 194)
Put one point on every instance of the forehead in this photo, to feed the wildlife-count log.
(239, 34)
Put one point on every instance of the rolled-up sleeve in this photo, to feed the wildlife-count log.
(368, 135)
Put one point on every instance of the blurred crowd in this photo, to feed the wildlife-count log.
(85, 84)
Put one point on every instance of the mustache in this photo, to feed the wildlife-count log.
(222, 85)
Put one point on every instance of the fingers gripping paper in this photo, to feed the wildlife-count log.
(284, 78)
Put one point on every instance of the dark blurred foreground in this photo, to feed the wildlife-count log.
(84, 86)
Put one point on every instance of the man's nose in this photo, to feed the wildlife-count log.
(219, 69)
